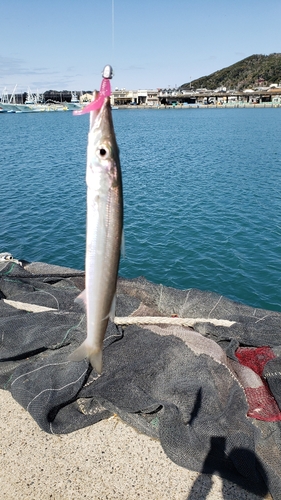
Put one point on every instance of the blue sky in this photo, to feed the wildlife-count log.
(65, 44)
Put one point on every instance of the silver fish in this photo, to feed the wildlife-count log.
(104, 233)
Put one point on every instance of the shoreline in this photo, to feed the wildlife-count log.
(198, 106)
(153, 108)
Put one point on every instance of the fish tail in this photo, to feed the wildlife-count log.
(96, 361)
(86, 351)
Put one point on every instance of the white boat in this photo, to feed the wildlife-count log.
(74, 103)
(6, 104)
(34, 103)
(7, 107)
(74, 98)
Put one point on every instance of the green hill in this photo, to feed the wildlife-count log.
(254, 71)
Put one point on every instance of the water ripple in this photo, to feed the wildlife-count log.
(201, 194)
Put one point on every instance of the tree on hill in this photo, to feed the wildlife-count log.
(254, 71)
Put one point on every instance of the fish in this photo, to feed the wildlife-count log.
(103, 233)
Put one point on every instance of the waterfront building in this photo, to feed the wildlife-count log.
(199, 97)
(155, 98)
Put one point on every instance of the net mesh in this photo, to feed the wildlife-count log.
(211, 393)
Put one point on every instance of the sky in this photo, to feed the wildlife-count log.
(64, 44)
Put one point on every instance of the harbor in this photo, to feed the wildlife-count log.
(176, 98)
(200, 231)
(29, 102)
(184, 175)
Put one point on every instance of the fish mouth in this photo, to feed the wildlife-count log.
(104, 123)
(105, 112)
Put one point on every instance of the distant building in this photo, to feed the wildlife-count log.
(125, 97)
(154, 98)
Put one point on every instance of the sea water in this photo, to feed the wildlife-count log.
(202, 196)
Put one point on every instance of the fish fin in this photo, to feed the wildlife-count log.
(96, 361)
(85, 351)
(81, 299)
(111, 314)
(112, 309)
(123, 244)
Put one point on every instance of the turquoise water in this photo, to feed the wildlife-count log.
(201, 193)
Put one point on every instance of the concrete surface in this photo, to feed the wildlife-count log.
(106, 461)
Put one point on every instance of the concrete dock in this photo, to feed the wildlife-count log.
(108, 460)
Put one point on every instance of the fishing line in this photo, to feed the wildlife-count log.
(112, 28)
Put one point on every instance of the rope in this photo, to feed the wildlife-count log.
(148, 320)
(25, 306)
(131, 320)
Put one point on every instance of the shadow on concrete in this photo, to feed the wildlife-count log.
(240, 467)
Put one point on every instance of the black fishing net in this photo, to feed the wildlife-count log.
(211, 393)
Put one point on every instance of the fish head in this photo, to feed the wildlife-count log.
(103, 151)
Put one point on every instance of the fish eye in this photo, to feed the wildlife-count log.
(103, 152)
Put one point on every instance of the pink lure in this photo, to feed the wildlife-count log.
(105, 91)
